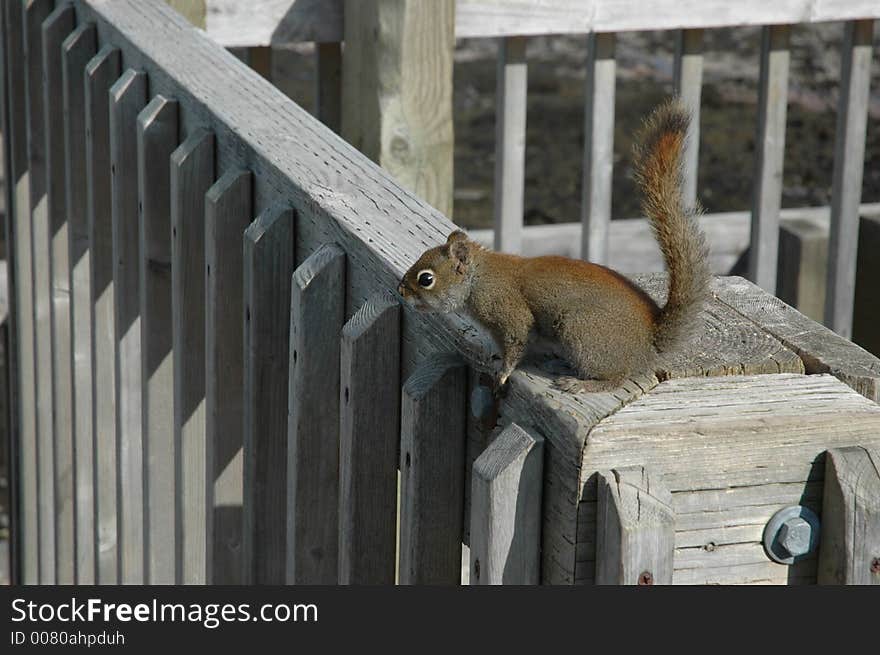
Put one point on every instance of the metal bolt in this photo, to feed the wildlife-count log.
(646, 578)
(875, 565)
(794, 536)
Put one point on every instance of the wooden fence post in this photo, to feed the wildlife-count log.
(127, 98)
(506, 490)
(317, 314)
(157, 137)
(432, 471)
(268, 266)
(849, 547)
(369, 429)
(397, 91)
(78, 49)
(635, 529)
(100, 74)
(192, 174)
(866, 315)
(688, 83)
(328, 84)
(228, 212)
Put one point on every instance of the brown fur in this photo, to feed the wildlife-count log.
(605, 326)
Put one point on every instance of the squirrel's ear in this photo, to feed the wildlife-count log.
(459, 250)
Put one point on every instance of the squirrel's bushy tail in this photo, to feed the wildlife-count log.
(658, 164)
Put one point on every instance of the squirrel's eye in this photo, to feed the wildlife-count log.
(426, 279)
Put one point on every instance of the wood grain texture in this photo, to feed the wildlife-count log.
(284, 21)
(56, 28)
(635, 528)
(598, 163)
(19, 222)
(432, 472)
(821, 350)
(192, 174)
(505, 535)
(157, 137)
(77, 51)
(769, 157)
(228, 212)
(369, 433)
(731, 451)
(317, 314)
(100, 74)
(850, 539)
(268, 265)
(849, 162)
(397, 91)
(128, 96)
(510, 143)
(687, 78)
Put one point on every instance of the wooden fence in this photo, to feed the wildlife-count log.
(213, 383)
(512, 22)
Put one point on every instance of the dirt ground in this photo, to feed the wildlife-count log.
(554, 148)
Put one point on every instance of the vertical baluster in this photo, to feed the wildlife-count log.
(849, 163)
(192, 174)
(101, 72)
(688, 82)
(79, 48)
(598, 148)
(769, 157)
(228, 211)
(157, 137)
(328, 84)
(510, 143)
(127, 98)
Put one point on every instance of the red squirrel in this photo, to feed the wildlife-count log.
(603, 324)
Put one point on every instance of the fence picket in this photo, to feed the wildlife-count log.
(688, 83)
(101, 72)
(157, 137)
(317, 314)
(432, 471)
(228, 211)
(192, 174)
(268, 266)
(128, 96)
(369, 430)
(78, 49)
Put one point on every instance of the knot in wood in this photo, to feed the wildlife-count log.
(646, 578)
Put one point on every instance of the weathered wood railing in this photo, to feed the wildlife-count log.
(200, 392)
(512, 21)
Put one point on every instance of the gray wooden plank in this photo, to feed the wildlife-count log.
(268, 266)
(635, 529)
(78, 49)
(432, 471)
(317, 314)
(803, 262)
(821, 350)
(157, 137)
(128, 96)
(598, 165)
(688, 82)
(369, 432)
(510, 143)
(228, 211)
(849, 162)
(506, 499)
(192, 174)
(18, 180)
(850, 517)
(56, 28)
(34, 15)
(769, 156)
(100, 74)
(328, 84)
(274, 21)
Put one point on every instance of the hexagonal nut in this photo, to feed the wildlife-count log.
(794, 536)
